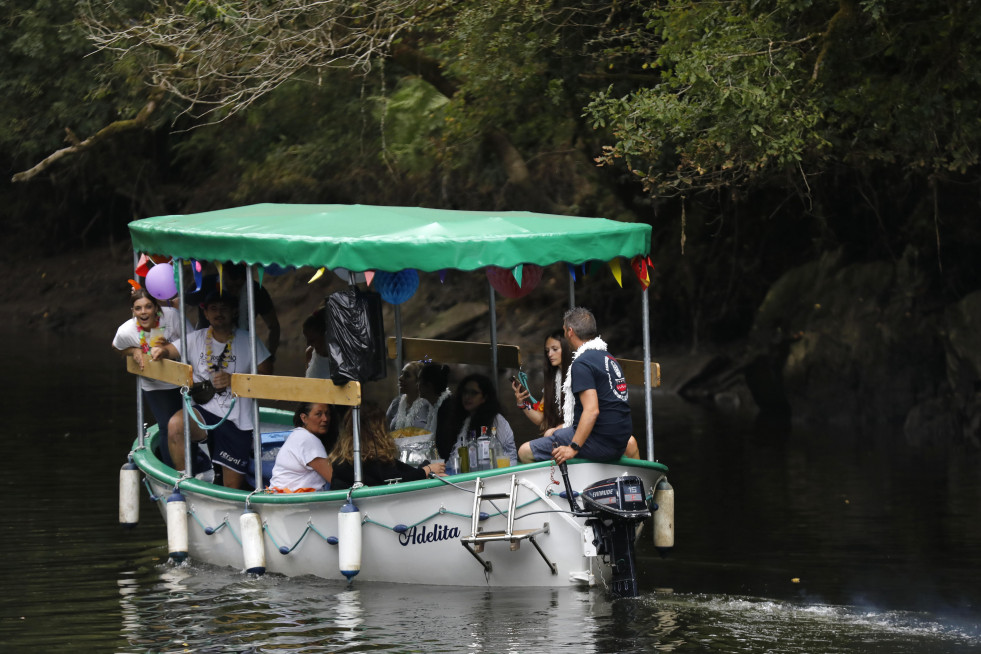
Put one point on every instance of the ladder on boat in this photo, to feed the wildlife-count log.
(478, 537)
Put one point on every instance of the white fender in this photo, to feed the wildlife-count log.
(349, 540)
(250, 524)
(664, 517)
(177, 526)
(129, 495)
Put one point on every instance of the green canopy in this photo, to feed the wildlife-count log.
(362, 237)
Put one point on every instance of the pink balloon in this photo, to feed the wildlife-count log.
(503, 281)
(160, 281)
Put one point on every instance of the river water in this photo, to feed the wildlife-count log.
(788, 540)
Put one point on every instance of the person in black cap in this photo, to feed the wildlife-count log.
(233, 283)
(215, 353)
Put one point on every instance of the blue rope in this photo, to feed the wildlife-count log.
(202, 425)
(153, 498)
(214, 530)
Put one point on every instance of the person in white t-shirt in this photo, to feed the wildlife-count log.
(215, 354)
(302, 464)
(152, 325)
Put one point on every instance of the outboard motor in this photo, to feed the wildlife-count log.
(616, 506)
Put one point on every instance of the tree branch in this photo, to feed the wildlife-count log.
(117, 127)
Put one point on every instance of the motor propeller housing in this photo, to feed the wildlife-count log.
(616, 506)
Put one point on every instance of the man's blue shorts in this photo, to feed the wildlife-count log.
(598, 447)
(231, 447)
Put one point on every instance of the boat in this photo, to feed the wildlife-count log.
(532, 524)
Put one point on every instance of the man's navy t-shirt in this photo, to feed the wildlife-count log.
(598, 370)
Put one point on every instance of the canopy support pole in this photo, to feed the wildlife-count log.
(572, 288)
(356, 410)
(188, 453)
(398, 340)
(492, 302)
(254, 369)
(648, 398)
(140, 435)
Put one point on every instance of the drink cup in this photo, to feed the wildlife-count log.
(503, 462)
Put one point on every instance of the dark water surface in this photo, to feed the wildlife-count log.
(787, 541)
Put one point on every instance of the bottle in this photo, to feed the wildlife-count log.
(463, 454)
(453, 464)
(472, 451)
(484, 450)
(501, 459)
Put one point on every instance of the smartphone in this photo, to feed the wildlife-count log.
(514, 380)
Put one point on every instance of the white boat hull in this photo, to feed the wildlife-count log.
(411, 532)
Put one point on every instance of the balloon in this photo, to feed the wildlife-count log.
(396, 288)
(503, 281)
(160, 281)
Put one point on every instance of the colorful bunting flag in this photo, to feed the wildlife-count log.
(614, 265)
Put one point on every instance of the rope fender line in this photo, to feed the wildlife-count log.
(186, 394)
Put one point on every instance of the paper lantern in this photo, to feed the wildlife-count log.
(503, 281)
(397, 287)
(160, 282)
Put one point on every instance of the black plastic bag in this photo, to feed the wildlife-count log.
(355, 337)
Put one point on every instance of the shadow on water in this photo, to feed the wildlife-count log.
(787, 541)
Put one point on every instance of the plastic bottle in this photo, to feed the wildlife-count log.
(453, 464)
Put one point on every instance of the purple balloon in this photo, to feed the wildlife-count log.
(160, 281)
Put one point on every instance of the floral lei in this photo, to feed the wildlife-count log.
(569, 405)
(145, 331)
(406, 416)
(223, 361)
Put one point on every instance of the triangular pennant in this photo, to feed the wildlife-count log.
(572, 271)
(518, 271)
(143, 266)
(614, 265)
(317, 275)
(639, 265)
(369, 275)
(221, 281)
(260, 271)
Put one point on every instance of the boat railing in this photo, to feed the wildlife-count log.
(260, 387)
(508, 356)
(417, 349)
(165, 370)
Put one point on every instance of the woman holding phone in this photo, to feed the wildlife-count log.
(547, 412)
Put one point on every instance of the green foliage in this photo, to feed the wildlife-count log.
(749, 92)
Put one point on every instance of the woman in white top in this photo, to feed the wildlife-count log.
(150, 326)
(475, 405)
(302, 464)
